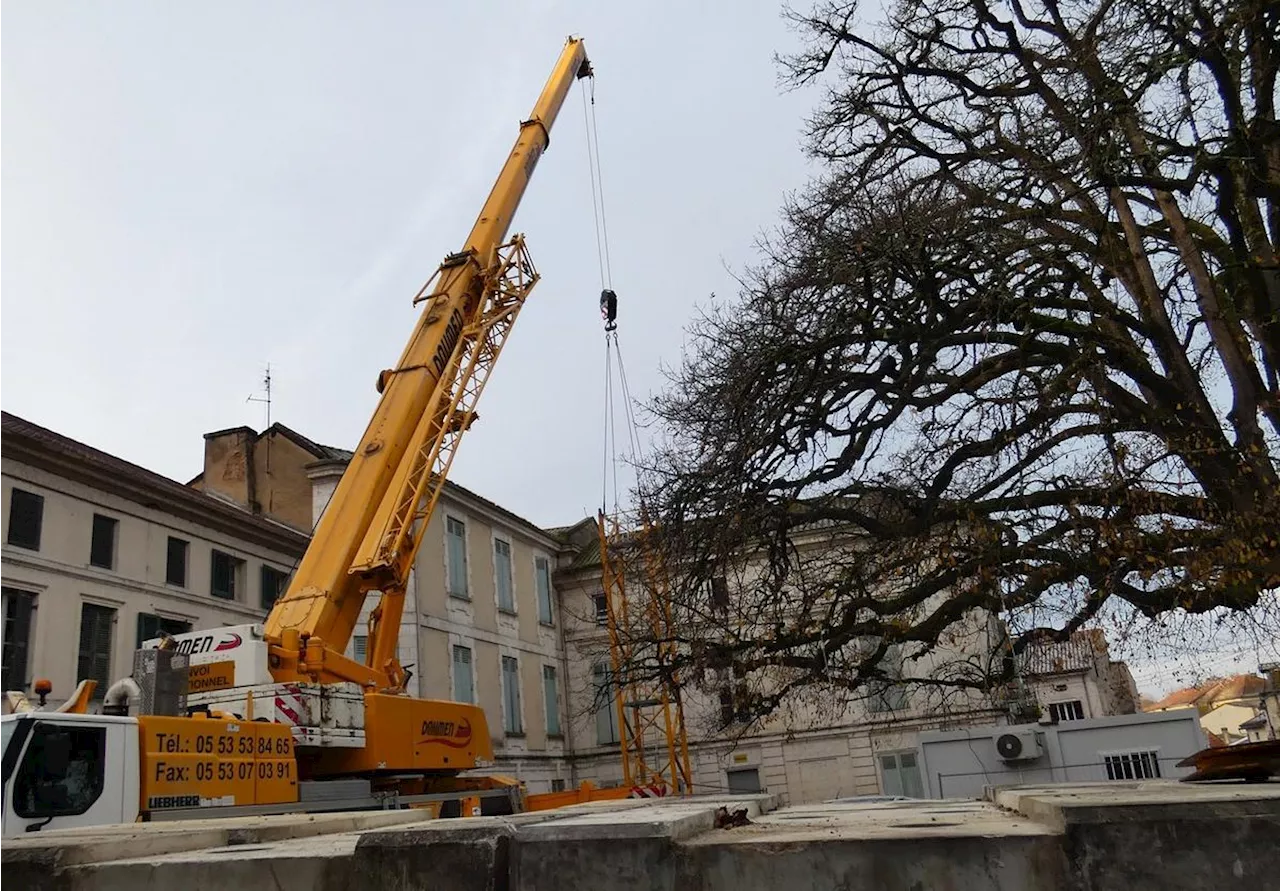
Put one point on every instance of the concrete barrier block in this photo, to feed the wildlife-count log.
(447, 855)
(632, 848)
(1015, 863)
(321, 863)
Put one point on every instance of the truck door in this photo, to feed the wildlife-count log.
(63, 778)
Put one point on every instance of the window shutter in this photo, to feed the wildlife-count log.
(18, 606)
(511, 694)
(147, 627)
(502, 562)
(543, 573)
(606, 714)
(95, 645)
(175, 572)
(102, 544)
(462, 679)
(26, 516)
(551, 692)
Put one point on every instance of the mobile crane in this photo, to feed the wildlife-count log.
(276, 717)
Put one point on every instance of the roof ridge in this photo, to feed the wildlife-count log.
(68, 448)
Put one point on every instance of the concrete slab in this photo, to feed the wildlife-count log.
(68, 847)
(1060, 805)
(884, 845)
(632, 847)
(1099, 837)
(877, 821)
(1160, 834)
(442, 854)
(50, 860)
(320, 863)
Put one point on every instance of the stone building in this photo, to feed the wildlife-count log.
(823, 743)
(1076, 679)
(815, 747)
(480, 623)
(100, 554)
(1229, 708)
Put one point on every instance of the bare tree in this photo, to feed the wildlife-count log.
(1020, 342)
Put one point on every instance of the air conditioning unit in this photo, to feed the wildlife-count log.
(1020, 745)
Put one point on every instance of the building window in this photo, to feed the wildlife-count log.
(97, 628)
(456, 546)
(511, 696)
(605, 707)
(735, 698)
(900, 775)
(151, 627)
(274, 582)
(551, 694)
(18, 607)
(463, 681)
(26, 516)
(502, 575)
(175, 566)
(602, 608)
(224, 579)
(359, 647)
(102, 547)
(719, 594)
(1071, 710)
(888, 694)
(542, 572)
(1144, 765)
(557, 785)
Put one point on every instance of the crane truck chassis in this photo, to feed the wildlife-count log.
(275, 717)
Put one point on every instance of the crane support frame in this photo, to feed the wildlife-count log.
(390, 547)
(646, 690)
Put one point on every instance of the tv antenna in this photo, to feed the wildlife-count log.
(266, 384)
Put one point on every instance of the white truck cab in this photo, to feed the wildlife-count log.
(65, 770)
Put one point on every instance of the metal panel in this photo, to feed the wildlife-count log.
(161, 676)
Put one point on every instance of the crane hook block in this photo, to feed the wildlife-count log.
(609, 309)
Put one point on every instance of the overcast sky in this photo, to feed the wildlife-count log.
(191, 191)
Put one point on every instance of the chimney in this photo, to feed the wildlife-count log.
(324, 476)
(228, 466)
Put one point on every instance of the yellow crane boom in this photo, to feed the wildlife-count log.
(372, 528)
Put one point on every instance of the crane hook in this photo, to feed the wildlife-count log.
(609, 309)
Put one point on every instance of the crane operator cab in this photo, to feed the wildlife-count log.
(609, 309)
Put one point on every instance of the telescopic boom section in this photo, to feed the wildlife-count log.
(369, 533)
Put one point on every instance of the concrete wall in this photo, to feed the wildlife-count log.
(62, 580)
(961, 763)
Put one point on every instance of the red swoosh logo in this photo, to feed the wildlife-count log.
(228, 644)
(446, 741)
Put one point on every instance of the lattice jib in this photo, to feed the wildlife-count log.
(452, 407)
